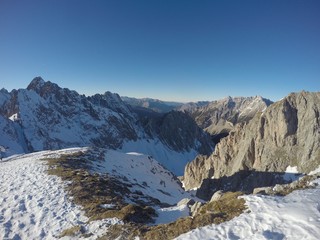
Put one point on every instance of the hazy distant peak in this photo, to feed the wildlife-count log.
(3, 90)
(155, 105)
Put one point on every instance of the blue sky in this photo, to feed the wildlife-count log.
(166, 49)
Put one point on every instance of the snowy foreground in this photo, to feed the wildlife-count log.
(34, 205)
(295, 216)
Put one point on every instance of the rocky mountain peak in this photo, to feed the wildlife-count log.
(43, 88)
(4, 96)
(36, 84)
(4, 91)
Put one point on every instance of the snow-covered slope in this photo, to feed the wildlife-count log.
(175, 161)
(295, 216)
(34, 205)
(144, 173)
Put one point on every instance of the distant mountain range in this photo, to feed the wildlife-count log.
(217, 118)
(152, 104)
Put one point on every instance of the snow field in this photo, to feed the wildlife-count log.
(34, 205)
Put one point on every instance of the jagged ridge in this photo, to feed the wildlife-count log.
(46, 116)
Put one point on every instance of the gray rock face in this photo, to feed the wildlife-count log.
(195, 208)
(191, 135)
(196, 171)
(216, 196)
(286, 134)
(178, 130)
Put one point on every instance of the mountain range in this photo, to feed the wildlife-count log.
(117, 160)
(217, 118)
(45, 116)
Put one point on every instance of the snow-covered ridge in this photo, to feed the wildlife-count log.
(46, 116)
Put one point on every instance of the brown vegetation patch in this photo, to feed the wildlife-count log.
(224, 209)
(71, 232)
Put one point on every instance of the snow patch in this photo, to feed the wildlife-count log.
(291, 174)
(14, 117)
(293, 169)
(135, 153)
(171, 214)
(108, 206)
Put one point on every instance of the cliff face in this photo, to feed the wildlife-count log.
(286, 134)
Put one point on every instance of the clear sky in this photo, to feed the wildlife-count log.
(167, 49)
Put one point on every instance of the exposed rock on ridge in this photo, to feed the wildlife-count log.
(286, 134)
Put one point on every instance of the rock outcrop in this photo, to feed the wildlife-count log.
(286, 134)
(167, 126)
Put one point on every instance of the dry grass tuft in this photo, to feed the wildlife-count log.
(71, 232)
